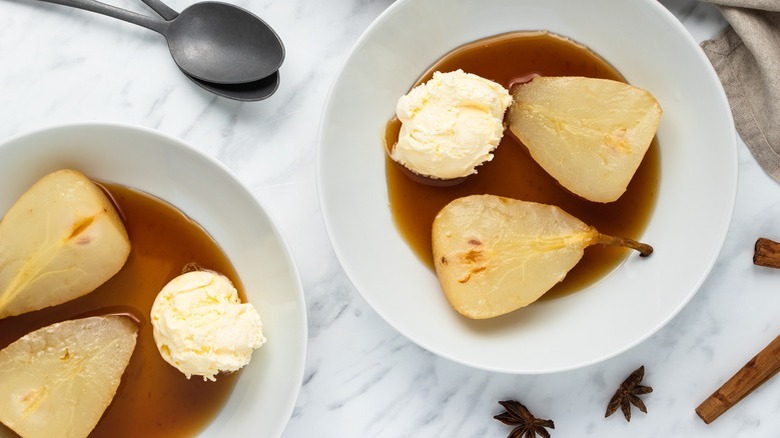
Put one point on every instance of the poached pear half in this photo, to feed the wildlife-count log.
(61, 239)
(589, 134)
(57, 381)
(493, 254)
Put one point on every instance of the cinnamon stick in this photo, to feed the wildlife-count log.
(757, 371)
(767, 253)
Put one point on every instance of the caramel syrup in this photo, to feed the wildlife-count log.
(513, 173)
(154, 399)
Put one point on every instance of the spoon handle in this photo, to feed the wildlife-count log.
(162, 9)
(152, 23)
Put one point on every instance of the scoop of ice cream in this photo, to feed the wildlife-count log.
(450, 124)
(201, 327)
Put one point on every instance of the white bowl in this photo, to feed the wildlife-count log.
(264, 396)
(647, 44)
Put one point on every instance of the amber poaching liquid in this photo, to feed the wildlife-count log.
(513, 173)
(154, 399)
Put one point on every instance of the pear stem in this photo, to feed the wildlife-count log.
(643, 248)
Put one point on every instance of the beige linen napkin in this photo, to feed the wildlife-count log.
(747, 59)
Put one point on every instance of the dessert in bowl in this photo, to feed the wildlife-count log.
(695, 161)
(173, 201)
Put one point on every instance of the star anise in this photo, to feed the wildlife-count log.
(526, 425)
(627, 395)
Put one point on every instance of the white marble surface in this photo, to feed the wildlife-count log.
(362, 378)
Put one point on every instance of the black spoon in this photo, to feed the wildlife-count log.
(213, 42)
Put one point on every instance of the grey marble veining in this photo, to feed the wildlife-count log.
(362, 378)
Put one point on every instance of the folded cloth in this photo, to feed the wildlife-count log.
(746, 57)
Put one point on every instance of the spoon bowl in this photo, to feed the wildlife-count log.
(223, 44)
(246, 92)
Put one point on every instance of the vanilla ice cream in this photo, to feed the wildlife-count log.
(201, 327)
(450, 124)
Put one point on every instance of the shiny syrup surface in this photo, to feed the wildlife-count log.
(154, 399)
(513, 173)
